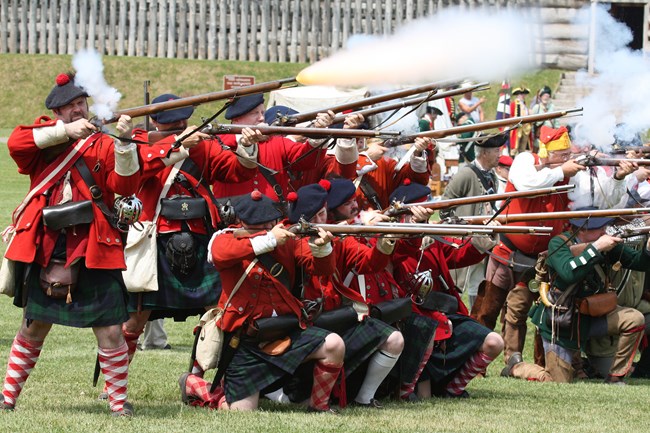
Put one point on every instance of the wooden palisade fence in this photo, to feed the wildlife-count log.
(253, 30)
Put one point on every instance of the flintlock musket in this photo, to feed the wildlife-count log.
(531, 230)
(542, 216)
(441, 133)
(293, 119)
(145, 110)
(398, 208)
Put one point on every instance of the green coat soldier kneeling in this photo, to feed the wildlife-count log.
(580, 269)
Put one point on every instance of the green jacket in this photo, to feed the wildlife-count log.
(566, 269)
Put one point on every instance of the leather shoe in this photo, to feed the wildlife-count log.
(329, 410)
(3, 405)
(374, 403)
(615, 380)
(514, 359)
(181, 384)
(127, 410)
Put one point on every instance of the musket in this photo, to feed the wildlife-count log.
(398, 208)
(293, 119)
(617, 149)
(304, 228)
(531, 230)
(305, 132)
(201, 99)
(441, 133)
(413, 101)
(542, 216)
(627, 232)
(592, 161)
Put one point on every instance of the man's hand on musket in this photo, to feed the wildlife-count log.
(353, 120)
(642, 173)
(570, 168)
(372, 217)
(81, 128)
(250, 137)
(281, 234)
(420, 214)
(625, 168)
(124, 126)
(376, 151)
(606, 243)
(422, 144)
(323, 120)
(193, 139)
(323, 238)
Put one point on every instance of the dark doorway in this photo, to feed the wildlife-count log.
(632, 16)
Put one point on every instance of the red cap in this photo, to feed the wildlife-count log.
(505, 160)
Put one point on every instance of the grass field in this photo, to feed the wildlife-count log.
(59, 396)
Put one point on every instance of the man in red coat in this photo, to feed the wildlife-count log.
(75, 170)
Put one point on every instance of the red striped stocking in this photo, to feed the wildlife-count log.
(477, 363)
(115, 367)
(22, 359)
(324, 379)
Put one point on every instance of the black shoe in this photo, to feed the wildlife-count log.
(514, 359)
(167, 347)
(181, 383)
(127, 410)
(329, 410)
(374, 404)
(615, 380)
(4, 406)
(463, 394)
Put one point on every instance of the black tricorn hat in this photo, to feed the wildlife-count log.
(494, 141)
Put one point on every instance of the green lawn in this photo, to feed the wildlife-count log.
(59, 396)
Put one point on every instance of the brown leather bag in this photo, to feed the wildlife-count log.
(58, 281)
(597, 305)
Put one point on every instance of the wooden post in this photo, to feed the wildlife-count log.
(72, 28)
(101, 27)
(12, 40)
(212, 31)
(347, 22)
(162, 28)
(264, 34)
(112, 24)
(243, 29)
(232, 37)
(133, 25)
(42, 39)
(315, 30)
(358, 15)
(304, 32)
(181, 41)
(31, 25)
(191, 31)
(121, 28)
(329, 27)
(171, 30)
(83, 24)
(23, 29)
(367, 22)
(142, 27)
(204, 31)
(223, 35)
(152, 39)
(253, 44)
(4, 27)
(92, 28)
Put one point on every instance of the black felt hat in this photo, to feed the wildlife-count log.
(256, 208)
(243, 105)
(590, 223)
(491, 142)
(409, 192)
(307, 201)
(341, 190)
(276, 111)
(63, 92)
(171, 116)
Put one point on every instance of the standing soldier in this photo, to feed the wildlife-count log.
(66, 238)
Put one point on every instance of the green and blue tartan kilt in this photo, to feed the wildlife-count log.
(417, 331)
(467, 338)
(252, 370)
(363, 340)
(100, 299)
(180, 296)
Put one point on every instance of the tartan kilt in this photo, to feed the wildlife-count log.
(362, 340)
(252, 370)
(180, 296)
(417, 331)
(467, 337)
(100, 299)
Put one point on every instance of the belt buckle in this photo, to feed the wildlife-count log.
(276, 270)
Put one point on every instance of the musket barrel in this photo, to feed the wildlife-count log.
(201, 99)
(398, 208)
(310, 115)
(413, 101)
(494, 229)
(540, 216)
(441, 133)
(307, 132)
(362, 230)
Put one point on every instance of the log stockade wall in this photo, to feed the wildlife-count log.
(256, 30)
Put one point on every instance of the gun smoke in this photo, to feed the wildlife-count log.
(454, 43)
(617, 108)
(90, 77)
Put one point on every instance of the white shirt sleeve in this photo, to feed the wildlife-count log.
(525, 177)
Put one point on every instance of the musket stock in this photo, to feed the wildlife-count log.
(398, 208)
(531, 230)
(201, 99)
(305, 132)
(542, 216)
(441, 133)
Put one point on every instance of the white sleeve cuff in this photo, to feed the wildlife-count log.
(49, 136)
(175, 157)
(247, 155)
(419, 163)
(126, 159)
(264, 244)
(386, 246)
(319, 251)
(316, 142)
(346, 151)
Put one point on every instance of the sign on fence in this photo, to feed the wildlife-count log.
(235, 81)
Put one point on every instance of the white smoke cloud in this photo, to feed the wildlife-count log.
(90, 77)
(618, 104)
(454, 43)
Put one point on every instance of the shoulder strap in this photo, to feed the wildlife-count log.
(95, 192)
(481, 177)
